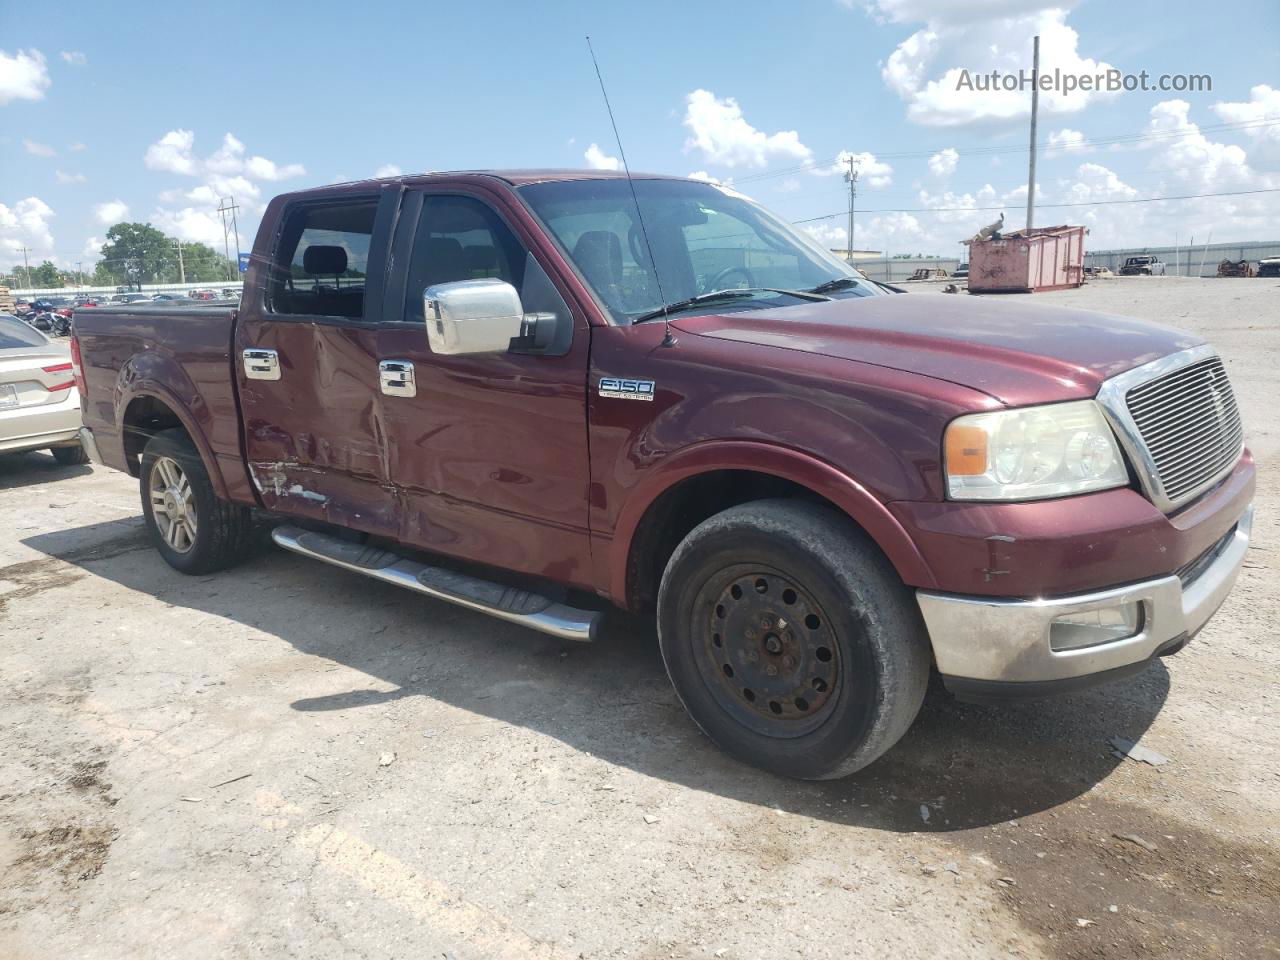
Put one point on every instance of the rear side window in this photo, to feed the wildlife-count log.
(322, 262)
(15, 333)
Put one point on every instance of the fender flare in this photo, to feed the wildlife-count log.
(143, 388)
(802, 469)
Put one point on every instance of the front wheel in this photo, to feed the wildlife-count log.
(195, 531)
(790, 639)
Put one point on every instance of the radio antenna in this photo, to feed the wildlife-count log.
(668, 340)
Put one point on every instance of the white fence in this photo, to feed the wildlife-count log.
(180, 288)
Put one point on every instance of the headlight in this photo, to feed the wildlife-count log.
(1032, 453)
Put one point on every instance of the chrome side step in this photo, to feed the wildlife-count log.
(506, 603)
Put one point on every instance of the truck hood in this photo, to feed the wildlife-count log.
(1013, 350)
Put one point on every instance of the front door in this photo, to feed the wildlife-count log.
(489, 454)
(307, 365)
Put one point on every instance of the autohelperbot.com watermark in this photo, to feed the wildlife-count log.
(1107, 81)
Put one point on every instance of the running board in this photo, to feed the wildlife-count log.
(506, 603)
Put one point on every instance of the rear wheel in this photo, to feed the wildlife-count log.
(790, 639)
(70, 456)
(195, 531)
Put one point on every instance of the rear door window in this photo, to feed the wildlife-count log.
(322, 263)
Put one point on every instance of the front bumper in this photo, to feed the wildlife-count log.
(988, 648)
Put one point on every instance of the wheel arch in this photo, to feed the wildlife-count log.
(704, 479)
(150, 407)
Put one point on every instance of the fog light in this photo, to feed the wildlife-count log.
(1073, 631)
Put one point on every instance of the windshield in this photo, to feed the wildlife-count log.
(705, 238)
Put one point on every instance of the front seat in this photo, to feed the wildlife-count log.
(598, 254)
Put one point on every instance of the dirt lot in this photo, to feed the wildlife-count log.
(290, 760)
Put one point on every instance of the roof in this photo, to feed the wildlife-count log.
(516, 178)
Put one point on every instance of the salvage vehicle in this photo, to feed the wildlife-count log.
(39, 404)
(1145, 265)
(526, 392)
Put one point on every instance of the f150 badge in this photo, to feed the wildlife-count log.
(622, 389)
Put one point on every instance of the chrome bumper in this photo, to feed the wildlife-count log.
(1007, 641)
(90, 445)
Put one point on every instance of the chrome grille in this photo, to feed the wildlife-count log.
(1188, 422)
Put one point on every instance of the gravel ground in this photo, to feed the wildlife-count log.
(289, 760)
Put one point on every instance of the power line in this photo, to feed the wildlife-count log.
(1088, 203)
(1066, 147)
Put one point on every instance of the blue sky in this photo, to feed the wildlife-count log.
(107, 112)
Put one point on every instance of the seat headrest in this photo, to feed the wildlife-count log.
(322, 261)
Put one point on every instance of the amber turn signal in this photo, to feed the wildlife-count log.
(966, 450)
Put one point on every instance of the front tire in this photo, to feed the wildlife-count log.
(791, 640)
(195, 531)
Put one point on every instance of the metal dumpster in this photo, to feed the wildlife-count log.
(1023, 261)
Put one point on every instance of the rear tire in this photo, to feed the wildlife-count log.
(791, 640)
(195, 531)
(70, 456)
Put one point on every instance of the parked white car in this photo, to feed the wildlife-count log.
(39, 402)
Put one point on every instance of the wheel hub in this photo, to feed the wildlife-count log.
(172, 504)
(770, 657)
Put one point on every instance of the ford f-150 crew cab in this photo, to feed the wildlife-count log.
(512, 392)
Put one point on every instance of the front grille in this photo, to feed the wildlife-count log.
(1189, 424)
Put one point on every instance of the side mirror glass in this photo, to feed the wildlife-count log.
(472, 316)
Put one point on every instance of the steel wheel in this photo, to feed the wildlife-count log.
(768, 653)
(173, 505)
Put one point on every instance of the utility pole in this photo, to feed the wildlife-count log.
(852, 178)
(26, 265)
(229, 206)
(182, 270)
(1035, 109)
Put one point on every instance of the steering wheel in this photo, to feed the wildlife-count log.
(718, 281)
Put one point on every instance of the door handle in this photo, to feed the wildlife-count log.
(261, 364)
(397, 378)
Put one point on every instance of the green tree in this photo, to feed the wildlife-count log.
(46, 276)
(137, 253)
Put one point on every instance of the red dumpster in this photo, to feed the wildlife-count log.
(1023, 261)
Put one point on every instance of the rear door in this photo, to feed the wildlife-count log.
(307, 366)
(490, 450)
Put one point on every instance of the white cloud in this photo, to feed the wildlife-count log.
(260, 168)
(943, 163)
(597, 159)
(1185, 156)
(1068, 141)
(704, 176)
(1263, 104)
(871, 172)
(720, 132)
(111, 212)
(39, 149)
(828, 234)
(228, 158)
(790, 185)
(388, 170)
(926, 68)
(191, 225)
(172, 153)
(92, 249)
(74, 57)
(64, 177)
(23, 76)
(26, 224)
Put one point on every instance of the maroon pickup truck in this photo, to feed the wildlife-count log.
(511, 392)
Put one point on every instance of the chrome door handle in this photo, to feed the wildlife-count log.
(397, 378)
(261, 364)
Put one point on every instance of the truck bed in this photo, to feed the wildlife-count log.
(180, 354)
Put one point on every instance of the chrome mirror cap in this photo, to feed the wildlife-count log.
(472, 316)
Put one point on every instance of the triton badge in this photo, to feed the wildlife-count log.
(621, 389)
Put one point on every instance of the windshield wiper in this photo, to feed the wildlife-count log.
(839, 283)
(734, 294)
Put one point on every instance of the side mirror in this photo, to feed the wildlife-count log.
(472, 316)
